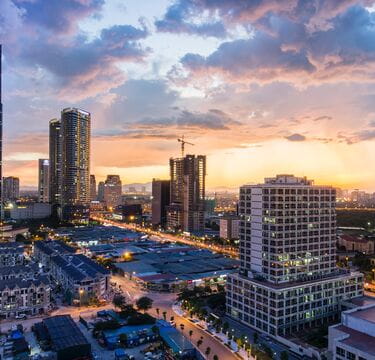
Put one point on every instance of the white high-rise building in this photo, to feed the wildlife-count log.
(43, 181)
(288, 279)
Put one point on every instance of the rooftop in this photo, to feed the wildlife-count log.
(23, 284)
(358, 340)
(367, 314)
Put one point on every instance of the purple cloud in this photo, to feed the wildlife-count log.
(296, 137)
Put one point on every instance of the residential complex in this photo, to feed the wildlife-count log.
(288, 278)
(75, 160)
(160, 200)
(354, 337)
(11, 254)
(187, 194)
(43, 181)
(11, 188)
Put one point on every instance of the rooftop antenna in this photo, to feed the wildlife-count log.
(183, 142)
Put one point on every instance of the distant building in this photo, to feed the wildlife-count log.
(187, 203)
(101, 191)
(21, 296)
(93, 192)
(229, 228)
(39, 210)
(160, 201)
(354, 338)
(210, 205)
(43, 181)
(11, 188)
(55, 161)
(354, 243)
(75, 173)
(129, 213)
(112, 191)
(143, 189)
(11, 254)
(132, 189)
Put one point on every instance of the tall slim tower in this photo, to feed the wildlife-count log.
(55, 161)
(43, 181)
(93, 190)
(1, 144)
(75, 170)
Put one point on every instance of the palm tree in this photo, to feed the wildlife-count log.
(182, 327)
(199, 342)
(191, 333)
(158, 311)
(215, 357)
(165, 315)
(208, 351)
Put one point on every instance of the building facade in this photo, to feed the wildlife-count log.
(288, 280)
(187, 193)
(20, 296)
(160, 200)
(93, 192)
(229, 228)
(11, 188)
(43, 181)
(355, 243)
(75, 145)
(11, 254)
(112, 191)
(55, 161)
(354, 337)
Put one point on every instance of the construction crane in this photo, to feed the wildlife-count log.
(183, 142)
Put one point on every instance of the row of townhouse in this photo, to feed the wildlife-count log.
(26, 272)
(11, 254)
(75, 273)
(20, 296)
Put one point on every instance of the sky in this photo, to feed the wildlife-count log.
(261, 87)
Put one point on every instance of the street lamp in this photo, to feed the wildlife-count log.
(81, 291)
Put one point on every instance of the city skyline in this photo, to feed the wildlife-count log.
(251, 84)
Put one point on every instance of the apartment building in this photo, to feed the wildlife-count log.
(288, 280)
(27, 272)
(11, 254)
(20, 296)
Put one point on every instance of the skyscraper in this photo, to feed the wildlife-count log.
(55, 161)
(160, 200)
(186, 209)
(112, 191)
(11, 188)
(288, 279)
(101, 191)
(1, 142)
(93, 192)
(43, 181)
(75, 159)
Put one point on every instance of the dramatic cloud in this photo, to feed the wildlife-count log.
(57, 15)
(296, 137)
(214, 119)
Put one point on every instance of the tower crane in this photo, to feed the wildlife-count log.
(183, 142)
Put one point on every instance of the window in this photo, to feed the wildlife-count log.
(340, 351)
(350, 356)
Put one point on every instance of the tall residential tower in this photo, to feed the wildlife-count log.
(55, 161)
(75, 160)
(43, 181)
(288, 279)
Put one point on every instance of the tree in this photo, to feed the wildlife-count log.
(191, 333)
(199, 342)
(123, 339)
(158, 311)
(208, 351)
(225, 327)
(215, 357)
(144, 303)
(255, 337)
(284, 355)
(165, 316)
(172, 318)
(119, 301)
(155, 330)
(182, 327)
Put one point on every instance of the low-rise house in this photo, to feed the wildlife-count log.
(44, 250)
(11, 253)
(81, 277)
(29, 297)
(25, 272)
(355, 243)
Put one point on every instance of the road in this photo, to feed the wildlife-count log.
(160, 236)
(164, 303)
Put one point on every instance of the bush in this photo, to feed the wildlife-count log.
(106, 325)
(141, 319)
(127, 311)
